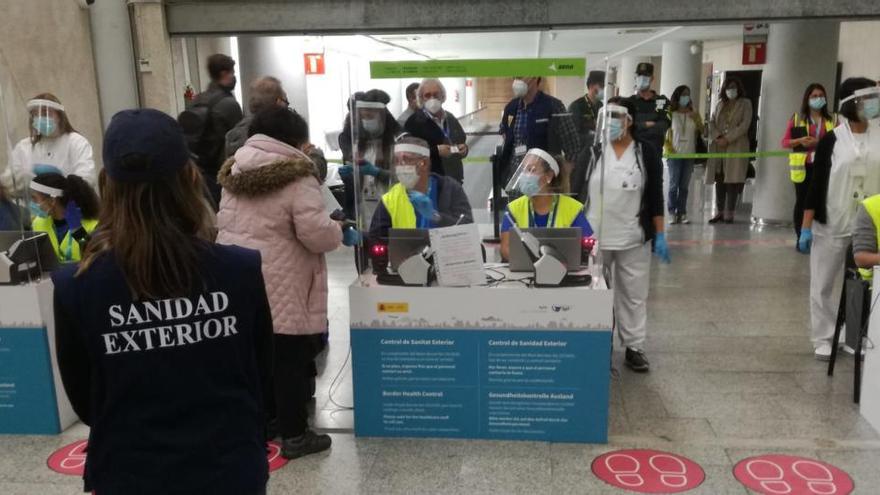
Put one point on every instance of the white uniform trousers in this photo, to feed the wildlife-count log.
(629, 273)
(827, 258)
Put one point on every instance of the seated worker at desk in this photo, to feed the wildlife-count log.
(866, 237)
(65, 208)
(544, 202)
(420, 199)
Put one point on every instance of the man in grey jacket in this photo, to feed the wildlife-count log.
(266, 92)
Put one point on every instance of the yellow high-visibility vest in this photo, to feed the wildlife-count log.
(400, 208)
(68, 249)
(567, 209)
(797, 161)
(872, 206)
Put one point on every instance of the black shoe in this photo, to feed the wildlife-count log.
(636, 360)
(305, 444)
(716, 219)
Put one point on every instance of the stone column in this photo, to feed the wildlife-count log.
(681, 66)
(114, 58)
(798, 53)
(153, 52)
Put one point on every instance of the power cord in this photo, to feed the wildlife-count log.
(336, 383)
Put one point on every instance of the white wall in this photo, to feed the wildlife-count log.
(860, 49)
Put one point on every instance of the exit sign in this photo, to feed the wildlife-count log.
(755, 43)
(314, 63)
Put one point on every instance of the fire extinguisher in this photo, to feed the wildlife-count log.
(189, 93)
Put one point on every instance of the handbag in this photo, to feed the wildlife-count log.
(700, 148)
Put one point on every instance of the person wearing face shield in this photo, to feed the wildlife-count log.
(729, 133)
(585, 110)
(534, 119)
(625, 208)
(420, 199)
(440, 129)
(805, 129)
(544, 202)
(846, 172)
(652, 110)
(53, 145)
(67, 210)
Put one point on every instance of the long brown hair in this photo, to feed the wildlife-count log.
(64, 126)
(155, 230)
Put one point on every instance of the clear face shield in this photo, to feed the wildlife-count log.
(45, 117)
(412, 162)
(614, 120)
(867, 102)
(42, 198)
(535, 175)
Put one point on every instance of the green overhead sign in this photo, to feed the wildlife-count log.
(526, 67)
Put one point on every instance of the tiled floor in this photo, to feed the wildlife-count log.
(733, 376)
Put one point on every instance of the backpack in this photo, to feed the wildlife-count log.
(198, 128)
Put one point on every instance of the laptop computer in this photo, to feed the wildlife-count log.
(566, 240)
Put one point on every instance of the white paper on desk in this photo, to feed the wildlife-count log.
(330, 202)
(457, 255)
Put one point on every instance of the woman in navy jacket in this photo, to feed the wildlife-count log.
(164, 339)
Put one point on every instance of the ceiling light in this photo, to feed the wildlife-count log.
(637, 31)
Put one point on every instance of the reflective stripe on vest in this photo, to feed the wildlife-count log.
(566, 211)
(797, 162)
(400, 208)
(872, 206)
(68, 244)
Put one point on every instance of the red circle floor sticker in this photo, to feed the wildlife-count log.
(71, 459)
(786, 474)
(648, 471)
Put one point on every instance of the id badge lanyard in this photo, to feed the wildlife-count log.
(550, 218)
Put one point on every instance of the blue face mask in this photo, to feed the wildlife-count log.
(36, 209)
(871, 108)
(684, 100)
(615, 129)
(643, 82)
(529, 185)
(44, 125)
(600, 96)
(817, 103)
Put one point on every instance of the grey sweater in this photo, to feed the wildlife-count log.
(864, 233)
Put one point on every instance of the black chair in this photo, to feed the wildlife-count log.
(854, 310)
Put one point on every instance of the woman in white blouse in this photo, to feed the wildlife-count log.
(53, 146)
(681, 139)
(846, 170)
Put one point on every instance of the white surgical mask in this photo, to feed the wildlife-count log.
(520, 88)
(600, 96)
(407, 175)
(731, 93)
(433, 105)
(643, 82)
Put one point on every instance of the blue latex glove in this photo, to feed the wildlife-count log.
(351, 237)
(368, 168)
(805, 242)
(661, 249)
(73, 215)
(346, 171)
(422, 204)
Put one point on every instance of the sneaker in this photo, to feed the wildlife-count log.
(849, 350)
(636, 360)
(823, 352)
(684, 219)
(674, 219)
(305, 444)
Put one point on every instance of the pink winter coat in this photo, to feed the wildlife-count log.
(272, 202)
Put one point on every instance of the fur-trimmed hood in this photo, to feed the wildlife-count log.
(262, 166)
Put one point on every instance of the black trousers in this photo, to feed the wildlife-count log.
(726, 196)
(294, 373)
(800, 199)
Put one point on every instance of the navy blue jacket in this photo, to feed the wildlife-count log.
(538, 134)
(172, 389)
